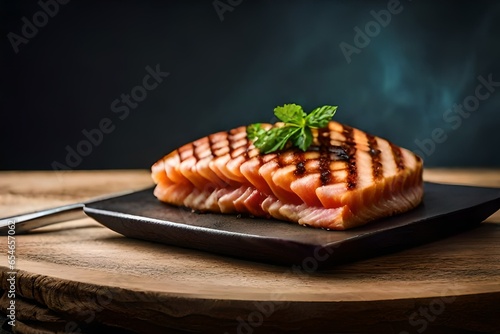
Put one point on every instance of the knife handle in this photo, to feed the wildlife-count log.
(26, 222)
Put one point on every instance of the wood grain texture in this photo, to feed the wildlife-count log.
(81, 276)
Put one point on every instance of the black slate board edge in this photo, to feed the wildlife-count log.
(234, 244)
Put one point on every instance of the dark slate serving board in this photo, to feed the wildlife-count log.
(446, 210)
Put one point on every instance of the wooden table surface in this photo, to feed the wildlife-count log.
(81, 277)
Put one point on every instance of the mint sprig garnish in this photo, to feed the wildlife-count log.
(296, 129)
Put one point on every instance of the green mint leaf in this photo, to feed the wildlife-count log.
(276, 139)
(255, 131)
(290, 113)
(268, 140)
(303, 138)
(319, 117)
(296, 130)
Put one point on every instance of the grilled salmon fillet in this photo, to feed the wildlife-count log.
(346, 178)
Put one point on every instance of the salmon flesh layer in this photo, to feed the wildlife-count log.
(345, 179)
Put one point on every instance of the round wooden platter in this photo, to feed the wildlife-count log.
(81, 277)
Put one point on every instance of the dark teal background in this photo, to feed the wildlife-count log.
(223, 74)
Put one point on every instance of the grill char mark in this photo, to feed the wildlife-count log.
(195, 154)
(300, 168)
(324, 158)
(377, 168)
(230, 143)
(328, 154)
(398, 156)
(210, 144)
(300, 164)
(350, 149)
